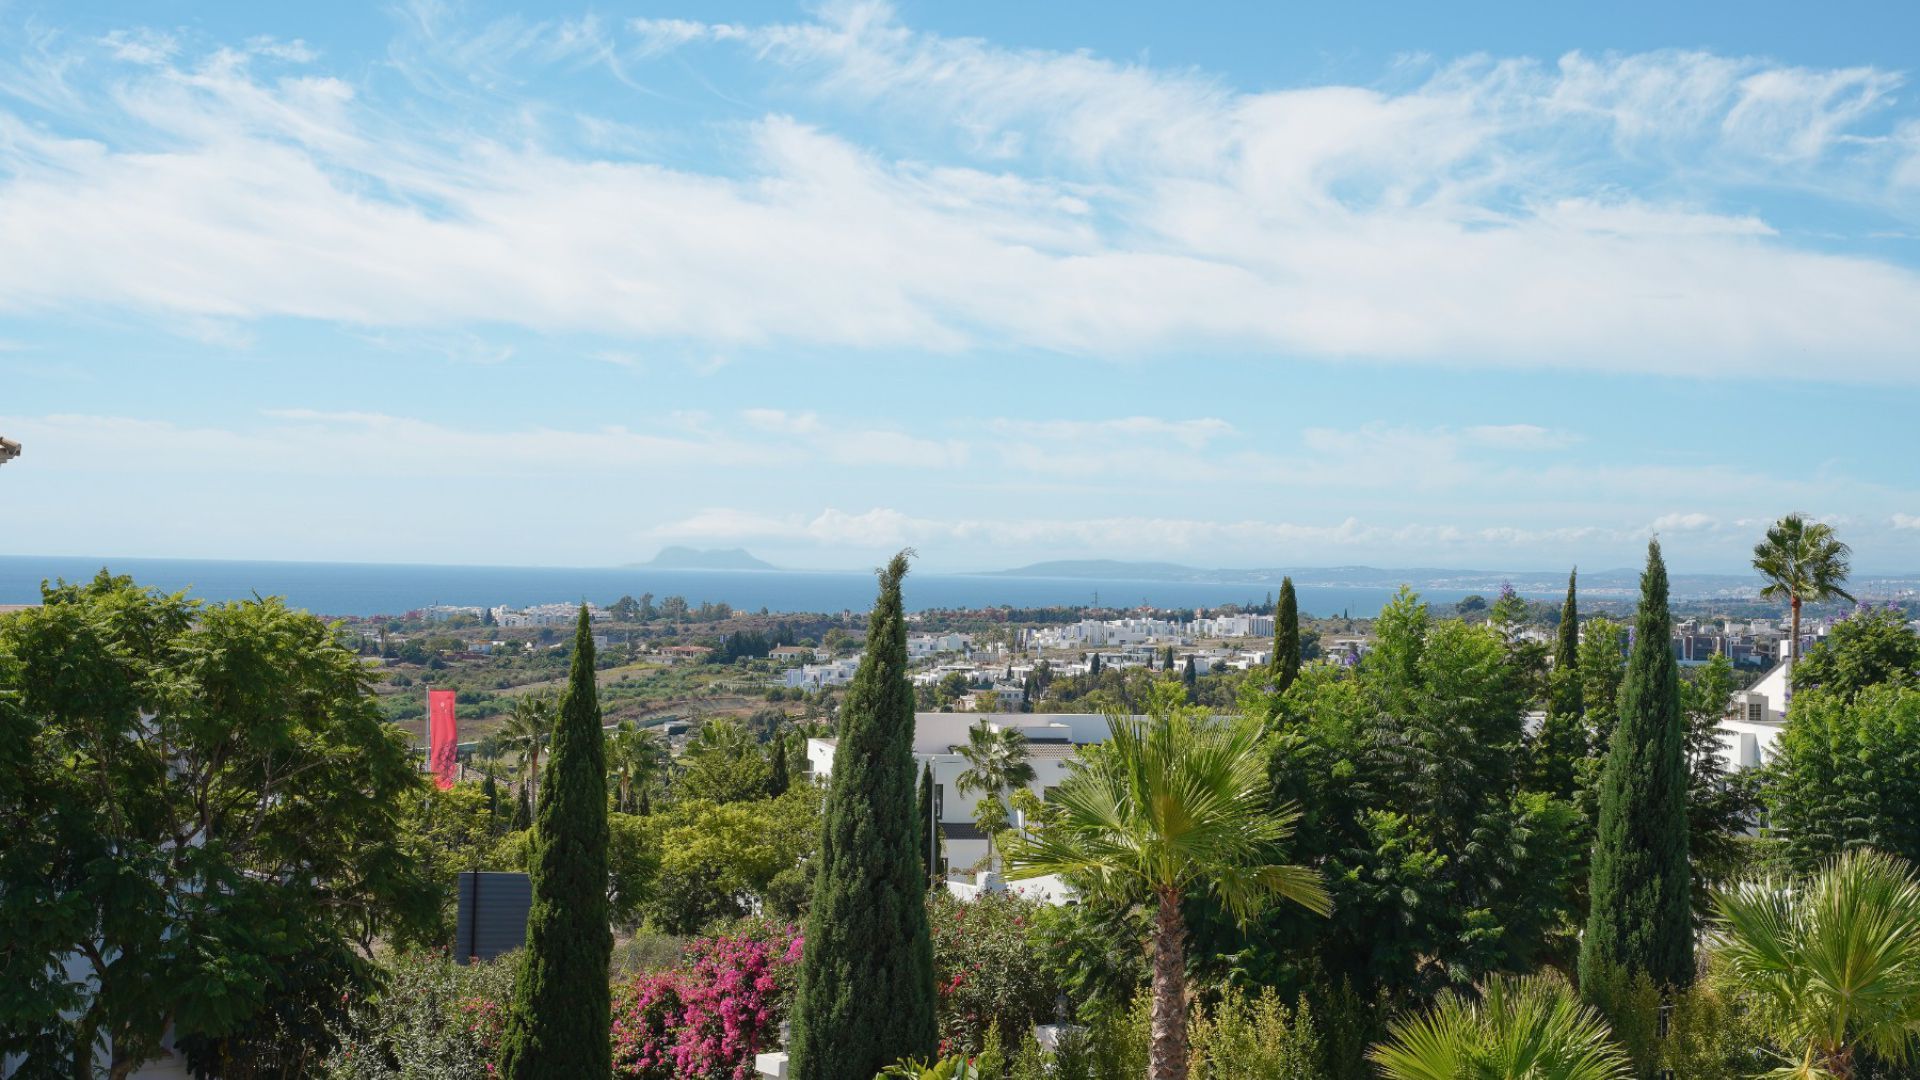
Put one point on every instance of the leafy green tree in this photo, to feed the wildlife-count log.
(635, 760)
(1848, 775)
(1517, 1029)
(713, 862)
(1721, 805)
(723, 763)
(996, 764)
(1865, 649)
(1286, 637)
(1603, 667)
(202, 810)
(1639, 917)
(1172, 803)
(1562, 740)
(1805, 563)
(778, 779)
(866, 995)
(1833, 961)
(522, 811)
(561, 1012)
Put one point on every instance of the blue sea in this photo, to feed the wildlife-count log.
(393, 589)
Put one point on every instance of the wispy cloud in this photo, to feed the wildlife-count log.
(1083, 205)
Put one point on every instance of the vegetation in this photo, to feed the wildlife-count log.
(996, 764)
(1286, 637)
(1171, 804)
(866, 994)
(1515, 1029)
(559, 1020)
(1804, 563)
(1639, 919)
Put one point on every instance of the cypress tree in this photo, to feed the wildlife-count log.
(1286, 638)
(522, 813)
(865, 997)
(1562, 741)
(1093, 667)
(1191, 678)
(777, 779)
(930, 838)
(558, 1023)
(1639, 921)
(492, 794)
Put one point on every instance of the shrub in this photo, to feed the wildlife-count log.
(987, 969)
(706, 1019)
(434, 1020)
(1257, 1039)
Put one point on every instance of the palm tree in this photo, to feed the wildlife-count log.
(528, 727)
(996, 763)
(1531, 1028)
(1803, 562)
(1833, 962)
(634, 759)
(1172, 803)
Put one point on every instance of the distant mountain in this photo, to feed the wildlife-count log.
(686, 558)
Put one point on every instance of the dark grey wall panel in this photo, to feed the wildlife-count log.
(502, 900)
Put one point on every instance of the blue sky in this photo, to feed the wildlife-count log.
(1240, 285)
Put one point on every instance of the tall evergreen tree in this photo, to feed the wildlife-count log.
(560, 1016)
(778, 779)
(491, 793)
(930, 836)
(1639, 922)
(1093, 666)
(1562, 740)
(866, 997)
(1190, 678)
(522, 812)
(1286, 637)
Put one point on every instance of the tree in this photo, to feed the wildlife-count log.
(1639, 918)
(1847, 775)
(201, 808)
(715, 862)
(1093, 666)
(723, 763)
(866, 996)
(996, 763)
(1562, 740)
(530, 727)
(778, 779)
(929, 826)
(1172, 804)
(561, 1014)
(635, 760)
(1286, 637)
(1518, 1029)
(1603, 666)
(1805, 563)
(1720, 804)
(1864, 649)
(522, 812)
(1833, 961)
(1189, 678)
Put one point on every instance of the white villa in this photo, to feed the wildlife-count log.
(1052, 740)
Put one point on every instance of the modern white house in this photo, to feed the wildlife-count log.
(1053, 740)
(1755, 718)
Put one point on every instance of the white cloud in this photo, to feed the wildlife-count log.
(1906, 521)
(1519, 437)
(1108, 208)
(1678, 523)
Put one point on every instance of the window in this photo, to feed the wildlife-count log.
(1755, 712)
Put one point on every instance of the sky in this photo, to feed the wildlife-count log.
(1501, 286)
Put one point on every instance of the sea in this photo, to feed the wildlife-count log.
(362, 589)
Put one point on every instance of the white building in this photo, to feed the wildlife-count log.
(921, 646)
(814, 676)
(1052, 739)
(1754, 721)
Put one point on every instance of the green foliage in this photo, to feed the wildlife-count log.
(714, 862)
(1804, 563)
(1869, 648)
(1603, 667)
(1517, 1029)
(1832, 961)
(866, 994)
(1848, 775)
(1709, 1032)
(1255, 1039)
(1406, 775)
(1557, 750)
(723, 764)
(1720, 804)
(987, 967)
(431, 1020)
(201, 808)
(996, 763)
(1639, 919)
(1286, 637)
(561, 1013)
(929, 842)
(1093, 951)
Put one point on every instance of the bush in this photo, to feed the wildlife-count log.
(987, 969)
(1257, 1039)
(434, 1020)
(647, 951)
(707, 1019)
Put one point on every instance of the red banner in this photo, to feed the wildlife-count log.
(443, 737)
